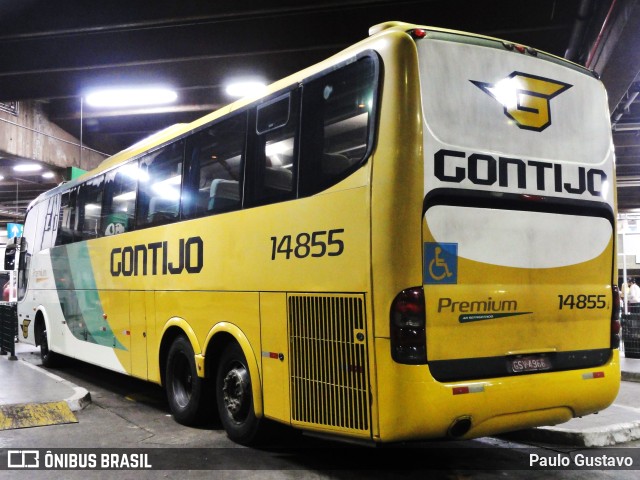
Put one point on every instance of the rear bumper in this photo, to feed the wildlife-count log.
(412, 405)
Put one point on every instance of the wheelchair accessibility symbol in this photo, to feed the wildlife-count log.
(440, 263)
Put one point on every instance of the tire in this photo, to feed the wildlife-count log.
(186, 392)
(49, 359)
(235, 398)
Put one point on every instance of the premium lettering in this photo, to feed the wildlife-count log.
(158, 258)
(447, 304)
(480, 169)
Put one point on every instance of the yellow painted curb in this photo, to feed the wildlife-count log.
(35, 415)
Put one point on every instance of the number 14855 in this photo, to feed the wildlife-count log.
(582, 302)
(303, 245)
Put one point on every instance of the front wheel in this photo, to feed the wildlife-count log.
(49, 359)
(235, 398)
(185, 390)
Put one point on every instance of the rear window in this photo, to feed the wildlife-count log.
(338, 111)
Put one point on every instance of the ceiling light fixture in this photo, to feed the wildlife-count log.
(245, 89)
(27, 167)
(130, 97)
(48, 175)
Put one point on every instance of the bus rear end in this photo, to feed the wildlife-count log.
(516, 321)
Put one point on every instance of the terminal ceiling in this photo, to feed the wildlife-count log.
(56, 51)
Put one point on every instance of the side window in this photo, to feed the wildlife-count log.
(273, 169)
(159, 186)
(337, 130)
(118, 212)
(90, 208)
(48, 217)
(215, 158)
(68, 220)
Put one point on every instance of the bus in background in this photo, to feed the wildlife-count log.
(413, 239)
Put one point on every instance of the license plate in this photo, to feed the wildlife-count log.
(530, 363)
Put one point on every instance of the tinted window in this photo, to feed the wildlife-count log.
(215, 157)
(276, 150)
(338, 110)
(159, 185)
(90, 209)
(273, 114)
(120, 199)
(68, 221)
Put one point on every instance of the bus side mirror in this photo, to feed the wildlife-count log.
(10, 257)
(11, 251)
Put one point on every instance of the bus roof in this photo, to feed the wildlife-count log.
(375, 32)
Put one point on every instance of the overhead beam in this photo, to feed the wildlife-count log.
(626, 139)
(125, 112)
(618, 61)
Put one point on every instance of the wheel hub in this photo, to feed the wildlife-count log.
(235, 390)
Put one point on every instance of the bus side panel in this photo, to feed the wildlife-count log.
(396, 204)
(139, 333)
(153, 338)
(275, 356)
(397, 190)
(109, 319)
(81, 321)
(203, 310)
(279, 247)
(26, 305)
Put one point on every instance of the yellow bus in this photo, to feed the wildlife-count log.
(412, 239)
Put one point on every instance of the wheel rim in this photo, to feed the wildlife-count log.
(236, 393)
(182, 383)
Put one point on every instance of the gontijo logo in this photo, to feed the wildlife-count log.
(525, 98)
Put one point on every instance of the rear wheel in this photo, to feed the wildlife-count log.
(185, 390)
(235, 398)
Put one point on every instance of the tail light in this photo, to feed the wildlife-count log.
(615, 317)
(408, 338)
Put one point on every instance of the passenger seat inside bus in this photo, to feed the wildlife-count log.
(334, 163)
(162, 209)
(224, 195)
(278, 179)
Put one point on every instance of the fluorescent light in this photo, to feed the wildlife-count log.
(27, 167)
(132, 171)
(277, 148)
(167, 188)
(48, 175)
(130, 97)
(1, 177)
(245, 89)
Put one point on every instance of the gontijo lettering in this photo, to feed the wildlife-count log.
(158, 258)
(481, 169)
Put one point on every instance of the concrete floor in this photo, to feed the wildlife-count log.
(131, 414)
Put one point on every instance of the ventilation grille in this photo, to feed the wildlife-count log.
(328, 355)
